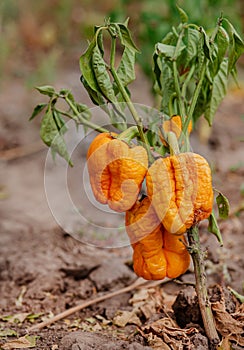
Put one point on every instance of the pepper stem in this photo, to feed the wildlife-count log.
(198, 257)
(173, 143)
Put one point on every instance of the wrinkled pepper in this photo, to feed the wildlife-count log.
(116, 171)
(174, 124)
(180, 188)
(157, 253)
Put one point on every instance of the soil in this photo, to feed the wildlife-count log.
(44, 270)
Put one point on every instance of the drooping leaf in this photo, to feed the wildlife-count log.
(95, 96)
(99, 35)
(125, 37)
(214, 228)
(218, 91)
(46, 90)
(223, 205)
(206, 45)
(126, 69)
(236, 45)
(168, 51)
(102, 76)
(192, 44)
(38, 110)
(86, 66)
(157, 69)
(183, 15)
(52, 136)
(222, 41)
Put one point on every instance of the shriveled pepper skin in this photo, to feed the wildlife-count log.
(116, 171)
(157, 253)
(180, 188)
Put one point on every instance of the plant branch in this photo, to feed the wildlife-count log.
(83, 120)
(128, 101)
(135, 285)
(176, 74)
(198, 258)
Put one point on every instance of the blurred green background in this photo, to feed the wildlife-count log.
(40, 37)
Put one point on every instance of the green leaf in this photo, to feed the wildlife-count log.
(218, 92)
(86, 66)
(183, 15)
(46, 90)
(192, 44)
(99, 36)
(52, 135)
(214, 228)
(222, 41)
(126, 69)
(223, 206)
(125, 37)
(102, 76)
(168, 51)
(236, 45)
(37, 110)
(206, 44)
(157, 69)
(95, 96)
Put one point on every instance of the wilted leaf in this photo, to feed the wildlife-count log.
(86, 66)
(214, 228)
(126, 38)
(21, 343)
(46, 90)
(51, 135)
(183, 15)
(223, 205)
(126, 69)
(38, 110)
(102, 76)
(219, 89)
(236, 45)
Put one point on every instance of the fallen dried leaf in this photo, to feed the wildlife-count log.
(21, 343)
(20, 317)
(147, 301)
(7, 332)
(167, 330)
(122, 318)
(230, 326)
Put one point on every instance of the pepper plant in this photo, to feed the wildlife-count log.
(191, 69)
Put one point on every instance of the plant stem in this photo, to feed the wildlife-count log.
(194, 100)
(128, 101)
(201, 287)
(176, 74)
(83, 120)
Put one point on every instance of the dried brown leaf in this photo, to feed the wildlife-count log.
(167, 330)
(21, 343)
(122, 318)
(230, 326)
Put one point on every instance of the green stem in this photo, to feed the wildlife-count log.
(194, 100)
(83, 120)
(176, 75)
(173, 143)
(171, 102)
(198, 258)
(127, 99)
